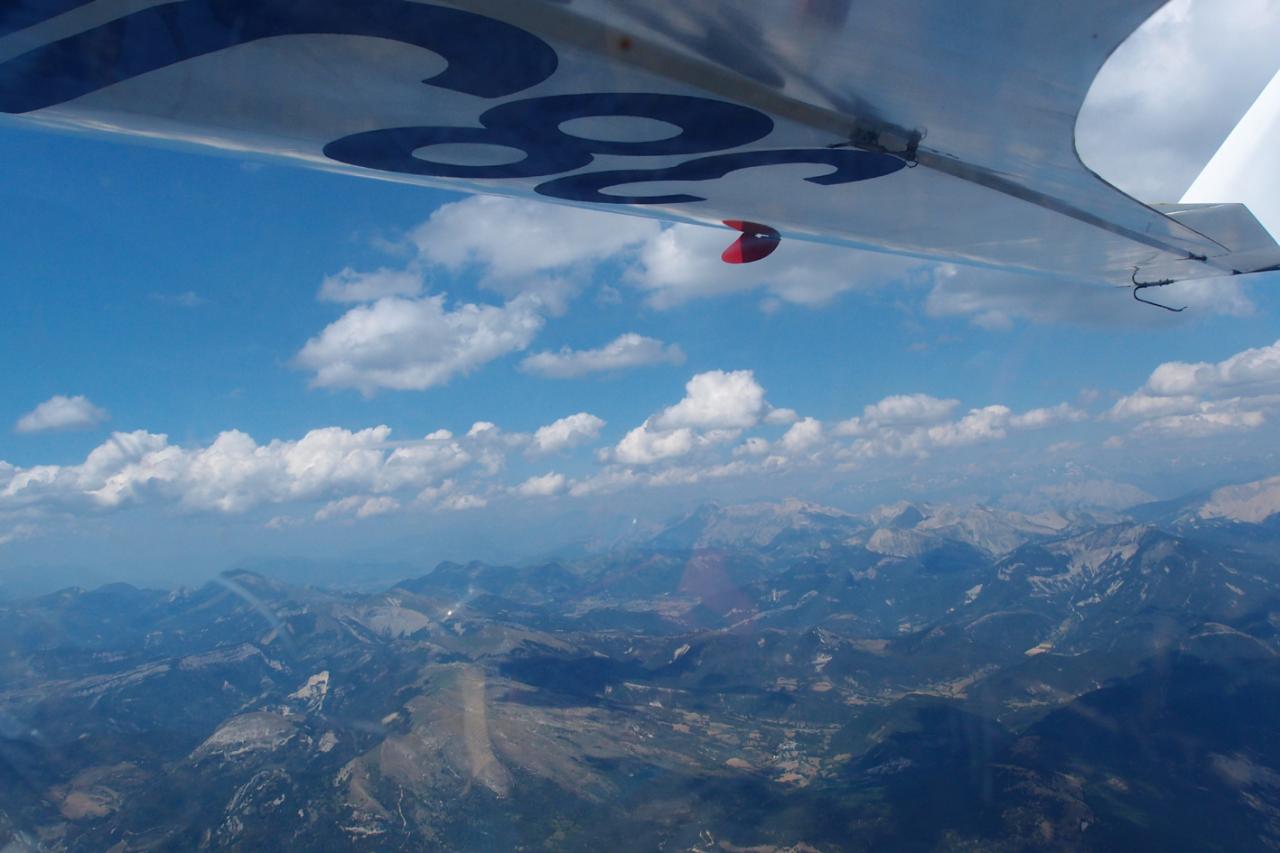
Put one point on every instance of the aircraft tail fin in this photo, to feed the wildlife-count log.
(1245, 167)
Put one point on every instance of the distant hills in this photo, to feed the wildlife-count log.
(784, 677)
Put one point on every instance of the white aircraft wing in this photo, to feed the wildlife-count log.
(932, 128)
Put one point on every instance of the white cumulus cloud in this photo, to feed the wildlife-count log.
(360, 506)
(802, 435)
(62, 413)
(716, 399)
(351, 286)
(1196, 399)
(781, 417)
(545, 485)
(415, 344)
(1204, 423)
(1248, 373)
(567, 432)
(1047, 416)
(625, 351)
(644, 445)
(234, 473)
(718, 405)
(982, 424)
(511, 238)
(537, 255)
(898, 410)
(901, 409)
(913, 425)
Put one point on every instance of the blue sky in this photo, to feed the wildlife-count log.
(175, 290)
(198, 306)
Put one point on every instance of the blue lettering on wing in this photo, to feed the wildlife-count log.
(849, 165)
(19, 14)
(487, 58)
(533, 126)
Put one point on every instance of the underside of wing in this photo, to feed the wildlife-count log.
(929, 128)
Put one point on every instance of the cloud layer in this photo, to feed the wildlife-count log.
(355, 473)
(724, 426)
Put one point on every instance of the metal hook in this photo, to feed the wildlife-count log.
(1141, 285)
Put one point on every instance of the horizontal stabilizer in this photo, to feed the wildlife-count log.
(1250, 247)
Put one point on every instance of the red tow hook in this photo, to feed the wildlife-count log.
(757, 241)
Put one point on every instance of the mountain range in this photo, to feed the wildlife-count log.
(766, 677)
